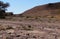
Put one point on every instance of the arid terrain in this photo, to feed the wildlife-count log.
(32, 25)
(29, 28)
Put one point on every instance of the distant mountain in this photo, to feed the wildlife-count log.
(44, 10)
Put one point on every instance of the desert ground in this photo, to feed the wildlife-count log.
(29, 28)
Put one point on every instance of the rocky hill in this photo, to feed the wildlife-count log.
(44, 10)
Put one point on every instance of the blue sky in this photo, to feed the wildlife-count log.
(19, 6)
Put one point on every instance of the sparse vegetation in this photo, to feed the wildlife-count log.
(52, 16)
(28, 27)
(27, 16)
(9, 38)
(9, 27)
(18, 36)
(36, 17)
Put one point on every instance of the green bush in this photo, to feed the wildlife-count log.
(2, 16)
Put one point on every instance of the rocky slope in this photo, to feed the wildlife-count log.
(44, 10)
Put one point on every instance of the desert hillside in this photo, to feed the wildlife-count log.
(50, 9)
(39, 22)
